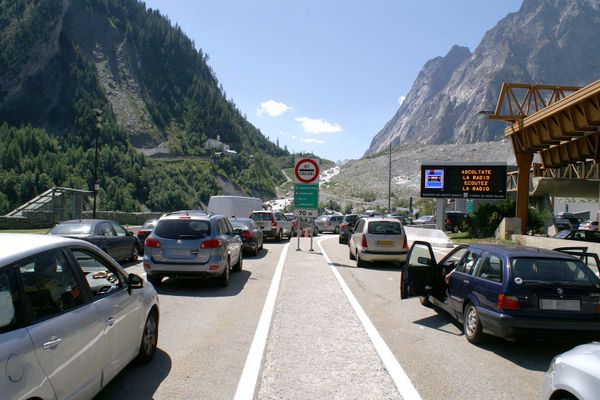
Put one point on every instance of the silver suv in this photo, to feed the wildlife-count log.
(192, 244)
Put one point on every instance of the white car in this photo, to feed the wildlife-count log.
(70, 318)
(574, 375)
(377, 239)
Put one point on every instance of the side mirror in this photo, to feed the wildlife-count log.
(134, 282)
(424, 260)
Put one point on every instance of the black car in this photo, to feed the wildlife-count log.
(584, 235)
(109, 236)
(144, 231)
(252, 237)
(347, 223)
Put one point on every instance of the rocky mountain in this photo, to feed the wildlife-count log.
(546, 41)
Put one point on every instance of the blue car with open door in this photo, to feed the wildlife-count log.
(508, 291)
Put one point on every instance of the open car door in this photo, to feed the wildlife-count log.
(590, 259)
(418, 272)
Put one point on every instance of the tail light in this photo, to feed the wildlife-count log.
(211, 244)
(151, 242)
(506, 302)
(364, 241)
(405, 243)
(247, 234)
(273, 224)
(140, 233)
(343, 226)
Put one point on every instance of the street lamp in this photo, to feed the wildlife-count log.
(98, 113)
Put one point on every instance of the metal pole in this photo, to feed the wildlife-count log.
(390, 182)
(299, 232)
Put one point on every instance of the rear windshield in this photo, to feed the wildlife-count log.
(72, 229)
(242, 225)
(350, 218)
(182, 229)
(553, 271)
(385, 228)
(261, 216)
(149, 225)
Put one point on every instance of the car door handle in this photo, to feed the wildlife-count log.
(110, 321)
(466, 281)
(52, 343)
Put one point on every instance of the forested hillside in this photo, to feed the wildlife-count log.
(62, 58)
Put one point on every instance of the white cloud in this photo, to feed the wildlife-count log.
(401, 99)
(318, 125)
(272, 108)
(312, 140)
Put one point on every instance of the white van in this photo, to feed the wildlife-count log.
(234, 206)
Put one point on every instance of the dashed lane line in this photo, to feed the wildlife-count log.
(247, 384)
(401, 380)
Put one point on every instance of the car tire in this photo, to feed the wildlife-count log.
(340, 241)
(261, 244)
(224, 278)
(336, 230)
(154, 280)
(351, 254)
(360, 263)
(238, 267)
(279, 236)
(254, 251)
(134, 253)
(149, 338)
(472, 324)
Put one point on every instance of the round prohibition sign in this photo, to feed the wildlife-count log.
(307, 170)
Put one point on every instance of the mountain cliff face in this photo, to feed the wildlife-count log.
(546, 41)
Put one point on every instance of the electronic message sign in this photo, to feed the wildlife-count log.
(464, 180)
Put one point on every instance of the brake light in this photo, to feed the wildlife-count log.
(597, 309)
(506, 302)
(211, 244)
(151, 242)
(140, 233)
(273, 224)
(343, 226)
(405, 243)
(364, 241)
(186, 217)
(247, 234)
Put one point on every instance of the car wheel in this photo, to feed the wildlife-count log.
(134, 253)
(224, 278)
(149, 338)
(351, 254)
(336, 230)
(238, 267)
(154, 280)
(425, 301)
(254, 251)
(472, 324)
(340, 241)
(261, 244)
(279, 235)
(360, 263)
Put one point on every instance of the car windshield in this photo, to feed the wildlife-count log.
(552, 271)
(385, 228)
(149, 225)
(73, 229)
(261, 216)
(182, 229)
(562, 234)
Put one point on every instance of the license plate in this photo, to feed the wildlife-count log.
(385, 242)
(560, 305)
(179, 252)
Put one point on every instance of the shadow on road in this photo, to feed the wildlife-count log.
(379, 266)
(261, 254)
(138, 381)
(203, 287)
(441, 322)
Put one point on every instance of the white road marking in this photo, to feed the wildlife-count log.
(401, 380)
(247, 384)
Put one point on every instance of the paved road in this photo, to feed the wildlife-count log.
(317, 346)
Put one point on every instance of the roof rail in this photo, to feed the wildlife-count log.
(189, 212)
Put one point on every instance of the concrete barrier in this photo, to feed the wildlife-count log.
(553, 243)
(436, 237)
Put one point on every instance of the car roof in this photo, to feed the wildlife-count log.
(85, 221)
(512, 250)
(15, 246)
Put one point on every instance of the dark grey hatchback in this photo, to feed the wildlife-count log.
(508, 291)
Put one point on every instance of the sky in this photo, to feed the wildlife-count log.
(324, 76)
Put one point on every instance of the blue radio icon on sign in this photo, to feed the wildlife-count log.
(434, 179)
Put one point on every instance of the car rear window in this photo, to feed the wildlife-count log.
(182, 229)
(385, 228)
(72, 229)
(242, 225)
(261, 216)
(553, 271)
(149, 225)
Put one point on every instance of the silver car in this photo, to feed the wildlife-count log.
(192, 244)
(377, 239)
(329, 223)
(574, 375)
(70, 318)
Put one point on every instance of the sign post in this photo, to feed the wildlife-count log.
(306, 192)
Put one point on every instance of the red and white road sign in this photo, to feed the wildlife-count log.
(307, 171)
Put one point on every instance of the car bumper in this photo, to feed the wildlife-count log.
(214, 267)
(512, 327)
(371, 255)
